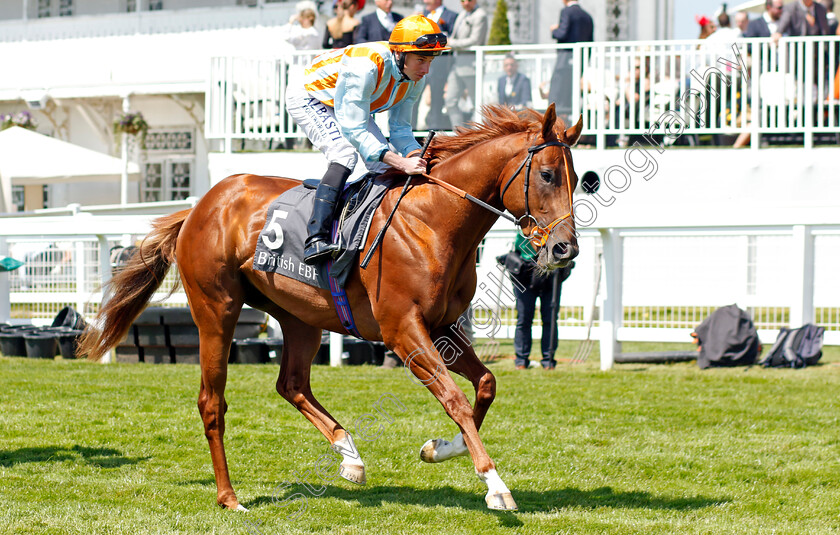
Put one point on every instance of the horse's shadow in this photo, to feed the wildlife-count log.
(101, 457)
(529, 501)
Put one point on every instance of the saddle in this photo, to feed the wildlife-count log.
(280, 244)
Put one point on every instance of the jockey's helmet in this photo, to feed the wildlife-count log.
(418, 35)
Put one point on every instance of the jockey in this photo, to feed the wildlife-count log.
(334, 106)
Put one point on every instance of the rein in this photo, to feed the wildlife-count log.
(464, 195)
(538, 236)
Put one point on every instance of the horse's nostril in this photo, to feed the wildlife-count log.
(561, 249)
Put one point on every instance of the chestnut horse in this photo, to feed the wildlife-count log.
(420, 280)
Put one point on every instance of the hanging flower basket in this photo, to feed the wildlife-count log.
(22, 119)
(133, 124)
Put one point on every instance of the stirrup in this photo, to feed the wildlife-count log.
(319, 251)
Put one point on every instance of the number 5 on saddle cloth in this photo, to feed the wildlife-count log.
(280, 244)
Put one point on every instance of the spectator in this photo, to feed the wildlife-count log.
(830, 16)
(436, 79)
(300, 32)
(470, 29)
(528, 286)
(801, 18)
(725, 32)
(575, 26)
(766, 25)
(638, 88)
(742, 22)
(514, 87)
(377, 26)
(707, 26)
(340, 29)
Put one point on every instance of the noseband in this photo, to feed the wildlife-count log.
(539, 234)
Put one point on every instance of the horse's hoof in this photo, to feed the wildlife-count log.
(502, 501)
(427, 452)
(239, 507)
(439, 450)
(353, 473)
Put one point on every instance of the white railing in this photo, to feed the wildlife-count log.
(145, 22)
(67, 256)
(756, 88)
(656, 284)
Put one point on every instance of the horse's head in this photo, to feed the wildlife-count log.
(539, 192)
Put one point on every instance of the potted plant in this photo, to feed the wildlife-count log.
(133, 124)
(22, 119)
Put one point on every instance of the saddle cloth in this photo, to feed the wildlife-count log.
(280, 244)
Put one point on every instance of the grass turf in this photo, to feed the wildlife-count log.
(88, 448)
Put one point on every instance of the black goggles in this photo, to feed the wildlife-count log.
(429, 40)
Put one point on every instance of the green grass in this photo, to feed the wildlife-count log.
(88, 448)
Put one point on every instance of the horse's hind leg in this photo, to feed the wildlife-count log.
(216, 319)
(300, 344)
(461, 359)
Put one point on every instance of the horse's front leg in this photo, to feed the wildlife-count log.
(460, 358)
(413, 344)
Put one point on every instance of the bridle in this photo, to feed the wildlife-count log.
(539, 235)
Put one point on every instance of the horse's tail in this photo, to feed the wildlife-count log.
(133, 286)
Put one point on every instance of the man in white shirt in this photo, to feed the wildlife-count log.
(378, 25)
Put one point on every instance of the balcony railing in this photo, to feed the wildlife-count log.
(659, 92)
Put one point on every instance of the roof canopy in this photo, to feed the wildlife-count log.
(30, 158)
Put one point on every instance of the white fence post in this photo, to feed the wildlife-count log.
(79, 270)
(802, 309)
(5, 286)
(336, 349)
(612, 309)
(104, 260)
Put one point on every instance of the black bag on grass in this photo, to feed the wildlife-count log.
(727, 338)
(796, 348)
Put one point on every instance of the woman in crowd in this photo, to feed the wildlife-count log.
(340, 28)
(300, 32)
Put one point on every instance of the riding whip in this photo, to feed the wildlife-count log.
(378, 239)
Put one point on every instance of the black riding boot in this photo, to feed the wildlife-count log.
(319, 246)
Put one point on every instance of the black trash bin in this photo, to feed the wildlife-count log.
(12, 344)
(68, 317)
(67, 343)
(40, 345)
(275, 349)
(250, 351)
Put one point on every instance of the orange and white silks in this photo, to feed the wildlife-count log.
(360, 80)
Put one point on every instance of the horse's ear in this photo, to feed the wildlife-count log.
(573, 133)
(549, 119)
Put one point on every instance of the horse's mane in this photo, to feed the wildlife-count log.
(498, 121)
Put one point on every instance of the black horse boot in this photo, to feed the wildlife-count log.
(318, 245)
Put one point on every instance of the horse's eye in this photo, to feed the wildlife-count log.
(547, 176)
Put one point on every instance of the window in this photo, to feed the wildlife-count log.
(168, 179)
(132, 6)
(170, 161)
(18, 198)
(43, 8)
(65, 8)
(50, 8)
